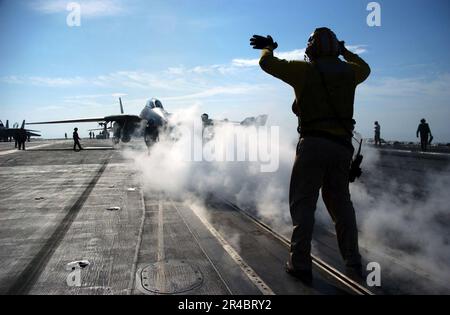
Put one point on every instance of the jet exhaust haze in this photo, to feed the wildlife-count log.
(392, 219)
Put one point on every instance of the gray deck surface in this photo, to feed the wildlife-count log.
(53, 211)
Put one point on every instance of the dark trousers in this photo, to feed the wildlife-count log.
(377, 139)
(75, 144)
(21, 145)
(321, 164)
(424, 143)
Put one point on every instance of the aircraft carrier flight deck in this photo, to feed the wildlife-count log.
(88, 209)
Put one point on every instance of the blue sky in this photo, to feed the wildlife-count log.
(196, 52)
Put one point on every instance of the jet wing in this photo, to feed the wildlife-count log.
(32, 134)
(11, 132)
(69, 121)
(122, 118)
(113, 118)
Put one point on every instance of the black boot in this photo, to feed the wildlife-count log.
(304, 276)
(355, 272)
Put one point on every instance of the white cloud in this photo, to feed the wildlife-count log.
(297, 54)
(132, 79)
(239, 89)
(44, 81)
(357, 49)
(208, 69)
(95, 96)
(245, 62)
(174, 78)
(12, 79)
(436, 88)
(89, 8)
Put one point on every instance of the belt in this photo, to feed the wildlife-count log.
(344, 141)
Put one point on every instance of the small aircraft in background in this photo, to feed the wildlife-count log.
(260, 120)
(6, 133)
(104, 130)
(209, 124)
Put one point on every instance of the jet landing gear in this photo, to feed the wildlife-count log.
(115, 142)
(151, 137)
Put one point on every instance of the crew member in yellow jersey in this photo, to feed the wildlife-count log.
(324, 87)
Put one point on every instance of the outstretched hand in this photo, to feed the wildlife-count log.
(261, 42)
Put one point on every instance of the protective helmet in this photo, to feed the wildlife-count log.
(322, 43)
(75, 129)
(423, 121)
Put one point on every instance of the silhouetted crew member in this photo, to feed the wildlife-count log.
(377, 131)
(76, 140)
(324, 88)
(425, 134)
(90, 135)
(65, 135)
(21, 138)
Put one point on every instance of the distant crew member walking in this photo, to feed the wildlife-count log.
(425, 134)
(21, 138)
(324, 88)
(76, 140)
(377, 130)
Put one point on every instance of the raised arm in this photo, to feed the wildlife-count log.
(287, 71)
(290, 72)
(361, 68)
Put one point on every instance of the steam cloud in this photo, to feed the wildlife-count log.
(396, 219)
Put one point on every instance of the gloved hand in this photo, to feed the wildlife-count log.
(342, 49)
(261, 42)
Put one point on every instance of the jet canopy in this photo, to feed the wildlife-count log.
(154, 103)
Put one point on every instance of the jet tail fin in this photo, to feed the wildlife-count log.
(121, 106)
(23, 125)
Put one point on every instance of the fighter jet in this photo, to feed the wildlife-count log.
(7, 133)
(148, 123)
(151, 121)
